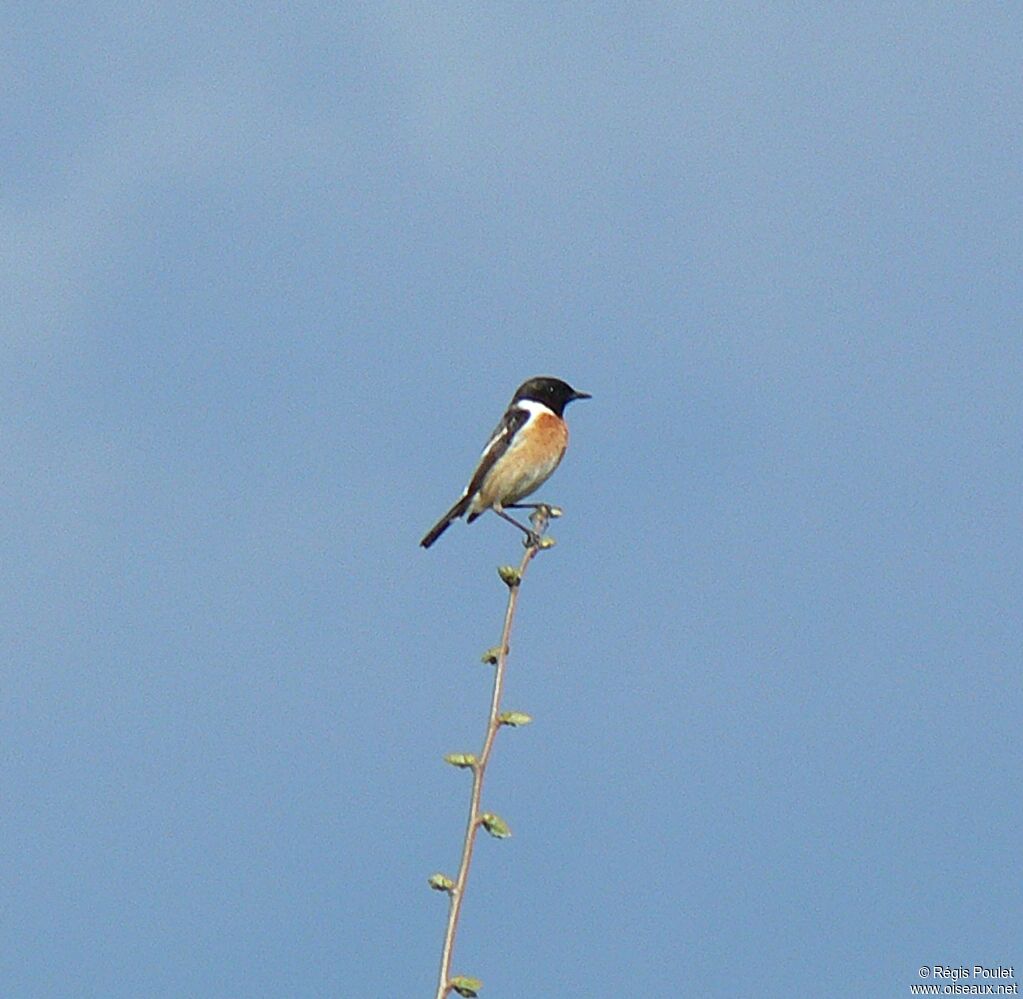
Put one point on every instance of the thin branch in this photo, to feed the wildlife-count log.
(540, 519)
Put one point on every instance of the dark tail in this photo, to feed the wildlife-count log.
(445, 522)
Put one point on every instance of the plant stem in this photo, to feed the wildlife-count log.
(540, 520)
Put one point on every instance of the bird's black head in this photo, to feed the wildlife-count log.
(552, 392)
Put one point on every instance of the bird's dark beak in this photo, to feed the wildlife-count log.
(580, 395)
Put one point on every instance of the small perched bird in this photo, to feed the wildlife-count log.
(521, 455)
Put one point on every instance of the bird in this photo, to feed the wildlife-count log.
(521, 455)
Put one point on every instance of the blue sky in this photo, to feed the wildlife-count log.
(270, 278)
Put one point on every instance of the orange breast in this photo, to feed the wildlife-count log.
(527, 464)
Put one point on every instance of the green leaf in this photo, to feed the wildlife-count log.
(468, 987)
(514, 718)
(461, 759)
(491, 655)
(440, 882)
(495, 825)
(547, 543)
(510, 576)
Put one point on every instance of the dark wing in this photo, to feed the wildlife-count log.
(500, 439)
(512, 421)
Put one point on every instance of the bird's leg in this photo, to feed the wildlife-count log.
(532, 538)
(551, 512)
(542, 515)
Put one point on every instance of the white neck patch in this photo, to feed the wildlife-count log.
(533, 407)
